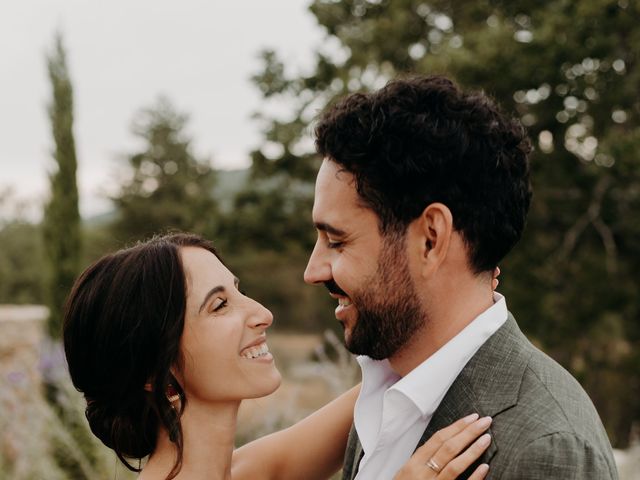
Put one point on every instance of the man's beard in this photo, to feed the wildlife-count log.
(389, 311)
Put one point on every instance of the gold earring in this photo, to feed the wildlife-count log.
(172, 394)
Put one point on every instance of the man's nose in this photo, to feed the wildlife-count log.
(318, 269)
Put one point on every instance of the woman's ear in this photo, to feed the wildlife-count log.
(435, 227)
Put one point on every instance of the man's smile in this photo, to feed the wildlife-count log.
(344, 305)
(344, 302)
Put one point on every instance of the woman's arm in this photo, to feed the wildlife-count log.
(314, 448)
(311, 449)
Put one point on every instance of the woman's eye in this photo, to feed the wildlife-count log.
(219, 304)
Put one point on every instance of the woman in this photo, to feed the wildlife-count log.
(165, 347)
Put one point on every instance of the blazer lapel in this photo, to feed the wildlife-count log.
(487, 385)
(458, 402)
(359, 453)
(353, 456)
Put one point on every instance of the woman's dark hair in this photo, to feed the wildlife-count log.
(123, 322)
(422, 140)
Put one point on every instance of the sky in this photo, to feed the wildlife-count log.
(122, 55)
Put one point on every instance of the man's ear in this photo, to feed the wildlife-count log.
(435, 227)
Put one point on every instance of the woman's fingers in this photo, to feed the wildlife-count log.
(456, 444)
(439, 458)
(460, 463)
(431, 446)
(480, 472)
(495, 281)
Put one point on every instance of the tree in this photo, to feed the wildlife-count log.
(168, 188)
(62, 247)
(569, 70)
(61, 224)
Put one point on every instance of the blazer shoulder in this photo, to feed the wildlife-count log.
(532, 382)
(551, 390)
(553, 418)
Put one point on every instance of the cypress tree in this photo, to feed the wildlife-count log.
(61, 225)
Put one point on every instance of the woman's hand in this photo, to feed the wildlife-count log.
(440, 458)
(495, 281)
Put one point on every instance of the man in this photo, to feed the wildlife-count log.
(423, 190)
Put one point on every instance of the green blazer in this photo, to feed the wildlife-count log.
(544, 424)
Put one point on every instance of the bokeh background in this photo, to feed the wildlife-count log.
(125, 119)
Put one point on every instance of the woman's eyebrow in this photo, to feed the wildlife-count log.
(209, 294)
(214, 290)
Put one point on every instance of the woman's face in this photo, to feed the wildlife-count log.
(223, 343)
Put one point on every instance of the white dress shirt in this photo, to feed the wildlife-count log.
(392, 412)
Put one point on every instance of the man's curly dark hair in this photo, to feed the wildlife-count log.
(422, 140)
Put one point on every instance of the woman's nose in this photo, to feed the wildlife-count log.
(261, 316)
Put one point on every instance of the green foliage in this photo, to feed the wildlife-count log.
(268, 218)
(168, 187)
(569, 70)
(21, 260)
(61, 225)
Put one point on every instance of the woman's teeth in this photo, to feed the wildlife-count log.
(255, 352)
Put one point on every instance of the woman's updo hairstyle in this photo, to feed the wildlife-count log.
(123, 322)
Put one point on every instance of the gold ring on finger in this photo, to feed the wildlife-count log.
(434, 466)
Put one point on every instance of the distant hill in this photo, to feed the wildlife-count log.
(100, 219)
(228, 184)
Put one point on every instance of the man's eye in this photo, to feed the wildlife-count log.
(331, 244)
(219, 304)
